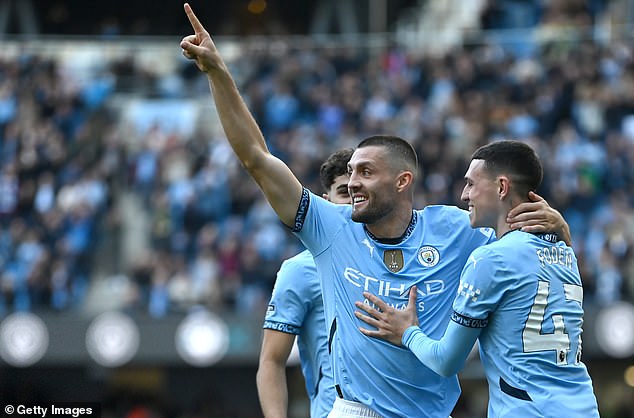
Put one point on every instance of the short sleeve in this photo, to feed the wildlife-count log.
(292, 296)
(480, 289)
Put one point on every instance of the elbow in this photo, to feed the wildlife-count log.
(446, 370)
(446, 365)
(450, 366)
(257, 165)
(252, 165)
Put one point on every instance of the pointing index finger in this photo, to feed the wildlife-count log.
(198, 27)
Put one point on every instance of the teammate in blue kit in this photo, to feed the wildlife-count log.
(520, 296)
(296, 309)
(378, 244)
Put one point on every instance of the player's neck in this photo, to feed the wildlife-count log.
(391, 227)
(502, 227)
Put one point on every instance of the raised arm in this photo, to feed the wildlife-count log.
(539, 216)
(279, 184)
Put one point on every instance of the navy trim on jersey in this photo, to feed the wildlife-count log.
(302, 211)
(465, 321)
(398, 240)
(550, 237)
(282, 327)
(321, 375)
(333, 328)
(513, 391)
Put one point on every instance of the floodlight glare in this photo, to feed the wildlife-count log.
(112, 339)
(23, 339)
(202, 339)
(615, 330)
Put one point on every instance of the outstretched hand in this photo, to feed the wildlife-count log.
(538, 216)
(199, 46)
(390, 323)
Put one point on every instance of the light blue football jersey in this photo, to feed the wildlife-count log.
(387, 378)
(525, 292)
(296, 307)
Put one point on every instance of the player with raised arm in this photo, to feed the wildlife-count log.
(520, 296)
(379, 244)
(296, 309)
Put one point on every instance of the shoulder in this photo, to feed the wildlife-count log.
(302, 263)
(326, 205)
(446, 213)
(296, 289)
(513, 243)
(300, 259)
(488, 252)
(497, 254)
(313, 207)
(451, 220)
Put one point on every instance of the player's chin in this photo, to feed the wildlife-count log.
(356, 216)
(361, 216)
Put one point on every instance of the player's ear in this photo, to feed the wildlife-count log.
(325, 196)
(504, 187)
(404, 180)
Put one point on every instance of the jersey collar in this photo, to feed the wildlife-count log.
(397, 240)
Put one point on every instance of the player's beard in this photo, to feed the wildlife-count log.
(375, 210)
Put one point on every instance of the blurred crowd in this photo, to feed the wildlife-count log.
(54, 173)
(213, 240)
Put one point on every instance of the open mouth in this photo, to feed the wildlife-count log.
(359, 201)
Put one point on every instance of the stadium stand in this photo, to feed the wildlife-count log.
(118, 190)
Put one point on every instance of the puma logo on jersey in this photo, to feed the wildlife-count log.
(366, 242)
(474, 260)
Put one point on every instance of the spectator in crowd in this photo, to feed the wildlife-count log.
(574, 105)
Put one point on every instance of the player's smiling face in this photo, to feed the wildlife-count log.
(371, 184)
(481, 195)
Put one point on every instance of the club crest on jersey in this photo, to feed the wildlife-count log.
(428, 256)
(270, 310)
(393, 259)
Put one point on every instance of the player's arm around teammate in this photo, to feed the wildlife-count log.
(508, 290)
(537, 216)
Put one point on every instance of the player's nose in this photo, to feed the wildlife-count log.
(464, 196)
(353, 184)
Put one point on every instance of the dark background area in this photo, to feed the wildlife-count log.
(151, 17)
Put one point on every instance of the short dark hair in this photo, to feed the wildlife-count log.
(515, 158)
(401, 153)
(335, 165)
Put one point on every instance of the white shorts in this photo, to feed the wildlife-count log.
(350, 409)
